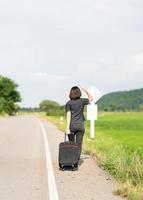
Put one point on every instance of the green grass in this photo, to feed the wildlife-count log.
(118, 145)
(125, 129)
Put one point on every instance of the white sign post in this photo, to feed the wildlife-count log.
(92, 110)
(92, 116)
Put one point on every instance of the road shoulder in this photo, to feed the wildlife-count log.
(88, 183)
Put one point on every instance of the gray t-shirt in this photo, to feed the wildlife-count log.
(76, 107)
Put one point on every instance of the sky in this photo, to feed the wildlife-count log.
(48, 46)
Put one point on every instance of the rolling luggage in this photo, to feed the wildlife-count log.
(68, 155)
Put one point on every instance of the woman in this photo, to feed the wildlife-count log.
(75, 117)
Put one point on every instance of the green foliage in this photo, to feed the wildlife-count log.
(141, 107)
(119, 146)
(51, 107)
(122, 101)
(29, 109)
(9, 96)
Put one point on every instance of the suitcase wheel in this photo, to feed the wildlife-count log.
(75, 167)
(61, 167)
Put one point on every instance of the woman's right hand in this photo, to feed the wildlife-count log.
(90, 97)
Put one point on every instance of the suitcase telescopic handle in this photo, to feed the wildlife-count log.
(65, 138)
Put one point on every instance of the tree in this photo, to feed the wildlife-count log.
(9, 96)
(51, 107)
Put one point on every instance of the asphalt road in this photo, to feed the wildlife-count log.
(26, 172)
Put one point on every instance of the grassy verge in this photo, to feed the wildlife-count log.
(118, 145)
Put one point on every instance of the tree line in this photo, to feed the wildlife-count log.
(51, 108)
(117, 101)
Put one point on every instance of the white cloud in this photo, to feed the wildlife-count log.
(127, 75)
(135, 63)
(54, 45)
(40, 74)
(44, 75)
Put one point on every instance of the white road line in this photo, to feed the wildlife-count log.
(53, 193)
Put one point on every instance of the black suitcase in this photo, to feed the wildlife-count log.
(68, 155)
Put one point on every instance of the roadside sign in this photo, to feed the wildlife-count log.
(92, 109)
(92, 112)
(92, 116)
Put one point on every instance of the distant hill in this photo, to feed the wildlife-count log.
(122, 101)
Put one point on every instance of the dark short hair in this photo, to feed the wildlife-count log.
(75, 93)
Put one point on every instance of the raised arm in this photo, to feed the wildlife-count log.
(88, 94)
